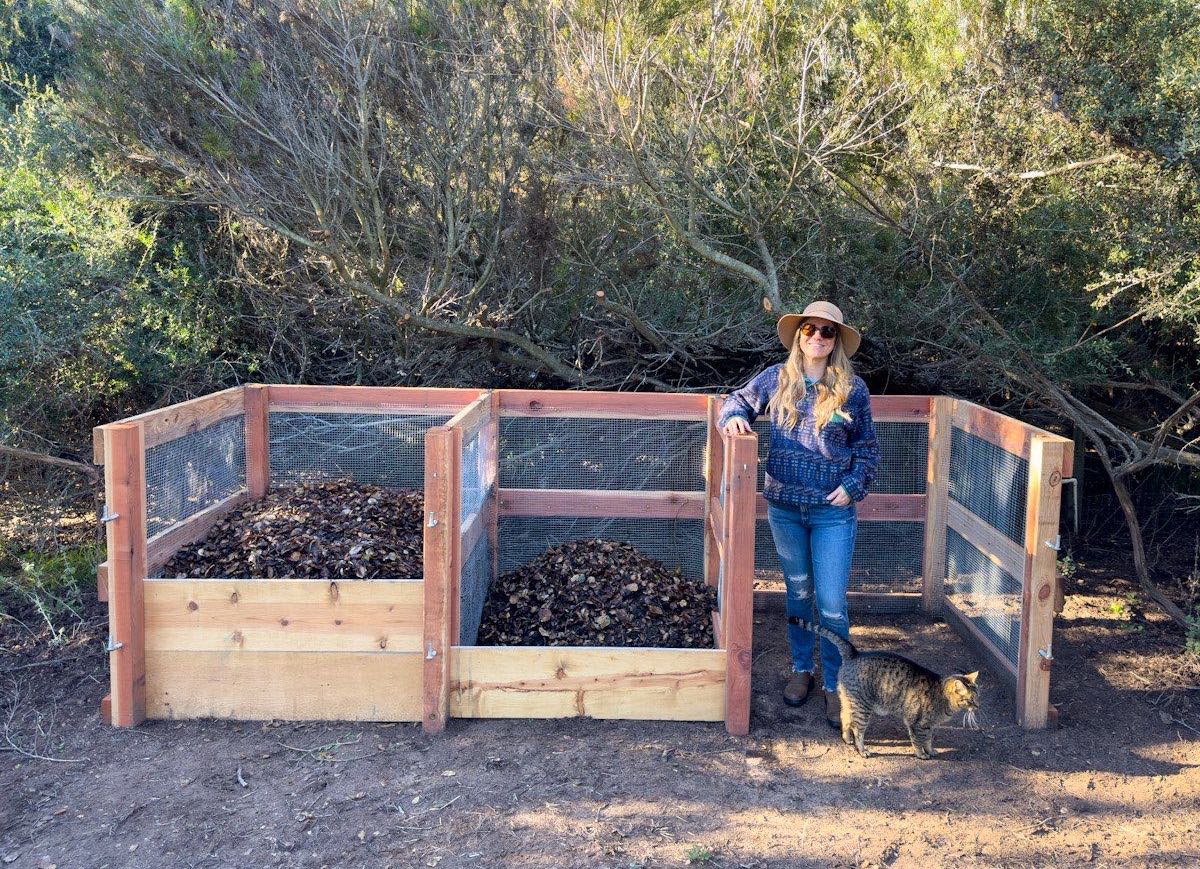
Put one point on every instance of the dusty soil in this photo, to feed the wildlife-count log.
(1117, 784)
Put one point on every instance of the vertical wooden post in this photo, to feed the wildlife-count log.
(442, 543)
(258, 441)
(713, 467)
(1046, 463)
(737, 594)
(937, 496)
(492, 482)
(125, 499)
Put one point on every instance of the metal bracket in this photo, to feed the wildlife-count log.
(1056, 543)
(431, 654)
(107, 517)
(432, 520)
(112, 645)
(1045, 653)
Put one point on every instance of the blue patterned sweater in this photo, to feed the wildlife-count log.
(803, 467)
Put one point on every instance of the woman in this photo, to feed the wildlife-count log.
(822, 457)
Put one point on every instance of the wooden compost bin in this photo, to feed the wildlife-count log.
(397, 649)
(468, 681)
(235, 647)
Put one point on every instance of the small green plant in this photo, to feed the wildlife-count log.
(51, 586)
(1123, 607)
(1067, 567)
(699, 854)
(1192, 640)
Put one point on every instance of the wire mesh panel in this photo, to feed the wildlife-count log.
(584, 453)
(888, 556)
(887, 560)
(985, 593)
(990, 482)
(190, 473)
(476, 581)
(375, 449)
(677, 543)
(476, 578)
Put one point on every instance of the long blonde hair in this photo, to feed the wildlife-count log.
(832, 389)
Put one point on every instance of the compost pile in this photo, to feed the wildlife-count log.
(317, 530)
(597, 593)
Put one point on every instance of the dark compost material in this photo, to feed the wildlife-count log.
(317, 530)
(597, 593)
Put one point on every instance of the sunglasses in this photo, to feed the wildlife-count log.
(810, 329)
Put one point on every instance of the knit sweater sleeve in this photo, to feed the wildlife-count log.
(863, 443)
(751, 400)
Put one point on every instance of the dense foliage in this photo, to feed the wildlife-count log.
(603, 194)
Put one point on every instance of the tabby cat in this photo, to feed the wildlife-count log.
(882, 683)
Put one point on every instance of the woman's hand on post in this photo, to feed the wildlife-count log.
(839, 498)
(737, 426)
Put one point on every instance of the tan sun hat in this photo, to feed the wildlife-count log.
(789, 323)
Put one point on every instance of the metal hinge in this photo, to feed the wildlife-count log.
(432, 520)
(1045, 653)
(1056, 543)
(112, 645)
(107, 517)
(431, 654)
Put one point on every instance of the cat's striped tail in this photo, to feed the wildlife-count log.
(843, 645)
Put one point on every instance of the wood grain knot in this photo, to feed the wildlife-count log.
(1056, 478)
(233, 598)
(1044, 591)
(534, 404)
(193, 606)
(284, 622)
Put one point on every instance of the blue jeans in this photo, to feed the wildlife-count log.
(815, 544)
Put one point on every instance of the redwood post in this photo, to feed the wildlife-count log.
(125, 515)
(442, 542)
(258, 441)
(737, 577)
(1048, 456)
(937, 496)
(713, 480)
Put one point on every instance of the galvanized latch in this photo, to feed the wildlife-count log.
(107, 517)
(1047, 660)
(432, 520)
(431, 654)
(1056, 543)
(112, 645)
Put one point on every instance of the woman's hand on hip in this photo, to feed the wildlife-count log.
(839, 498)
(737, 426)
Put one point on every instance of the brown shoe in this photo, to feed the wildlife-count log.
(795, 692)
(833, 710)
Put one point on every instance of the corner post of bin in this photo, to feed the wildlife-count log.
(256, 408)
(442, 542)
(125, 532)
(937, 495)
(713, 481)
(1049, 455)
(492, 504)
(737, 594)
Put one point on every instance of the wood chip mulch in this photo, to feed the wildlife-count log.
(597, 593)
(317, 530)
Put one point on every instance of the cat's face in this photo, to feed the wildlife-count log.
(963, 694)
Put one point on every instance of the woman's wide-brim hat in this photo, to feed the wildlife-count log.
(789, 323)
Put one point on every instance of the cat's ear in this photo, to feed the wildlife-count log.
(971, 677)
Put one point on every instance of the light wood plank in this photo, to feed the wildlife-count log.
(163, 545)
(1046, 462)
(473, 417)
(996, 547)
(601, 503)
(875, 508)
(937, 496)
(273, 615)
(608, 405)
(564, 682)
(177, 420)
(294, 686)
(125, 497)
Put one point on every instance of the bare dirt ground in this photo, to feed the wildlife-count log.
(1117, 784)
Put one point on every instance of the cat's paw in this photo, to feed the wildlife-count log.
(923, 754)
(847, 738)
